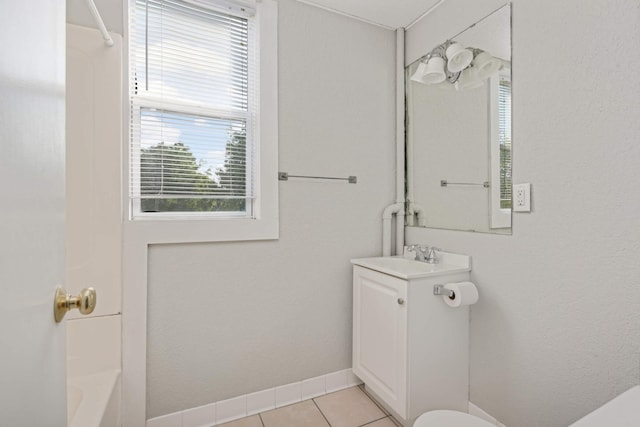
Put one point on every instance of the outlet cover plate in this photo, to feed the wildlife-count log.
(522, 197)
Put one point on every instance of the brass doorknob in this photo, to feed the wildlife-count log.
(85, 302)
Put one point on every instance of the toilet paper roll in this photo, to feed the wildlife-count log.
(465, 293)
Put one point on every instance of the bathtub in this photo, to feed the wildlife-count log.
(94, 400)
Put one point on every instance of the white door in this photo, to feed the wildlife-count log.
(32, 93)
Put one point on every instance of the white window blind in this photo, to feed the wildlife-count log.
(193, 107)
(504, 132)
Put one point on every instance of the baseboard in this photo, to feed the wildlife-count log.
(216, 413)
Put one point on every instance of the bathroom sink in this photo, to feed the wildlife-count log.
(407, 269)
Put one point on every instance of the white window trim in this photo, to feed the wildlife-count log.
(183, 228)
(500, 218)
(138, 235)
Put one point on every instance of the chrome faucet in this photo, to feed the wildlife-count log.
(419, 251)
(425, 253)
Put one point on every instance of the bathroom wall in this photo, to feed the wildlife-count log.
(556, 331)
(225, 319)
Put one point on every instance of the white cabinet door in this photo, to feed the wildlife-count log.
(380, 335)
(32, 89)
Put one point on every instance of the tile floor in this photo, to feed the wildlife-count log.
(350, 407)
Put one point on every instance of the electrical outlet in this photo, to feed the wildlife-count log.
(522, 198)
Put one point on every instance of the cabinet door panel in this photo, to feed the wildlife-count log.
(380, 335)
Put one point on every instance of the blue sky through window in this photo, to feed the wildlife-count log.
(194, 57)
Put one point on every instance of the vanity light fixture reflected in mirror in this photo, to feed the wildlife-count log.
(452, 62)
(458, 129)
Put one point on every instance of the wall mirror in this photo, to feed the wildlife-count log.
(458, 100)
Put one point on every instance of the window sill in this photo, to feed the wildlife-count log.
(201, 231)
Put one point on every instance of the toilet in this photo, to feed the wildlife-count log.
(446, 418)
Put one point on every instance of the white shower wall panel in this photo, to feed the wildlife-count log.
(93, 169)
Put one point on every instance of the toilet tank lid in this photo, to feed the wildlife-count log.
(446, 418)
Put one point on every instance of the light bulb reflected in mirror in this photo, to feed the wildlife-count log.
(417, 76)
(469, 79)
(459, 57)
(486, 64)
(434, 72)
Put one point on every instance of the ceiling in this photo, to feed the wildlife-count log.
(387, 13)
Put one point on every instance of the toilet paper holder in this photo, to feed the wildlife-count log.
(442, 291)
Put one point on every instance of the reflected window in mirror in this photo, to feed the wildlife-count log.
(500, 125)
(504, 104)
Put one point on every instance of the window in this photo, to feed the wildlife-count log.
(500, 140)
(195, 140)
(504, 136)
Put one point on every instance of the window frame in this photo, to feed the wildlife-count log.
(262, 223)
(152, 103)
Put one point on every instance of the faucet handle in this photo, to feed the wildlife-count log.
(419, 251)
(432, 256)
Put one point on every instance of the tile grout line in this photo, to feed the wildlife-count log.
(384, 411)
(385, 415)
(379, 405)
(375, 421)
(321, 413)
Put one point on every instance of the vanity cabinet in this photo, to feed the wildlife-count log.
(380, 335)
(409, 348)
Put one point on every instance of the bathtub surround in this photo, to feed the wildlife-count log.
(94, 226)
(94, 351)
(95, 400)
(93, 237)
(555, 333)
(78, 13)
(94, 345)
